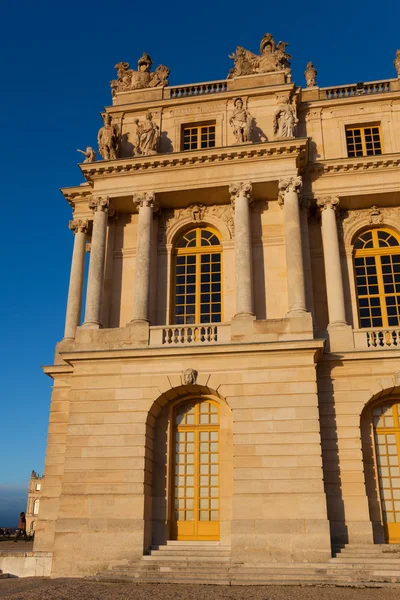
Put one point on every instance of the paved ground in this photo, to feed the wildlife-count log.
(77, 589)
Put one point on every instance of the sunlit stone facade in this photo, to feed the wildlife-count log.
(234, 373)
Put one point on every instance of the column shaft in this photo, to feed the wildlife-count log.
(96, 266)
(243, 249)
(146, 204)
(289, 189)
(74, 302)
(333, 269)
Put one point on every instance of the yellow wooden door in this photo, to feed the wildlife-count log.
(195, 513)
(387, 446)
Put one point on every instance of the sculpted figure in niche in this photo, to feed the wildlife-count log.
(397, 63)
(129, 79)
(310, 75)
(285, 119)
(241, 122)
(107, 139)
(147, 137)
(90, 154)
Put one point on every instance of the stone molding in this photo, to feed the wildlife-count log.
(242, 189)
(289, 184)
(145, 199)
(363, 163)
(353, 221)
(78, 226)
(279, 148)
(173, 220)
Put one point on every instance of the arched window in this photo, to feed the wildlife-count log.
(36, 507)
(198, 277)
(377, 272)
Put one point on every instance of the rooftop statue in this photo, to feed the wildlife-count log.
(285, 118)
(310, 75)
(129, 79)
(396, 63)
(107, 139)
(241, 122)
(147, 137)
(272, 57)
(90, 154)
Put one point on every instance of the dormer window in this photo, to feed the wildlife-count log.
(198, 136)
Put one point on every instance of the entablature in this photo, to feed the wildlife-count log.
(364, 175)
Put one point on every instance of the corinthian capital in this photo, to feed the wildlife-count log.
(101, 203)
(289, 184)
(146, 199)
(78, 225)
(328, 202)
(242, 189)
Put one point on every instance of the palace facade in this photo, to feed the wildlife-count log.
(235, 377)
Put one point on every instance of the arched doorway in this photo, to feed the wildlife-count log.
(386, 425)
(195, 489)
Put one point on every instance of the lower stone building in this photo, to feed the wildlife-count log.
(33, 503)
(236, 375)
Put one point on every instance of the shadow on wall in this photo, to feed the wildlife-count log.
(330, 460)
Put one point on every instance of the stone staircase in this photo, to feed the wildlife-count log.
(379, 563)
(210, 563)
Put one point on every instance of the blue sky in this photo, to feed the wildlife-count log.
(57, 61)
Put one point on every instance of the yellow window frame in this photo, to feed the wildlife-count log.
(191, 129)
(362, 128)
(376, 251)
(198, 250)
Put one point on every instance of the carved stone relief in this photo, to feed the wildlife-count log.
(352, 220)
(195, 213)
(272, 57)
(129, 79)
(147, 136)
(89, 153)
(396, 63)
(189, 377)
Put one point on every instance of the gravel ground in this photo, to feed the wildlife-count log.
(78, 589)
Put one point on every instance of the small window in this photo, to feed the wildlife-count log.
(36, 507)
(38, 486)
(363, 141)
(198, 136)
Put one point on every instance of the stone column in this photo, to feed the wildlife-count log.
(101, 208)
(333, 269)
(74, 302)
(241, 199)
(146, 203)
(289, 190)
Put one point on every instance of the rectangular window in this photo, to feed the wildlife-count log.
(198, 136)
(363, 141)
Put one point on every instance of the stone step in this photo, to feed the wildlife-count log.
(376, 560)
(199, 552)
(194, 543)
(189, 558)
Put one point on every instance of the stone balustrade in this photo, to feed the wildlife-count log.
(356, 89)
(378, 338)
(188, 335)
(198, 89)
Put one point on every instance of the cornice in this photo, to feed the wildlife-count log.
(266, 150)
(362, 163)
(75, 193)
